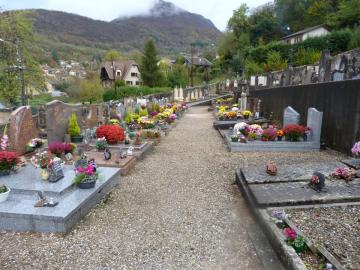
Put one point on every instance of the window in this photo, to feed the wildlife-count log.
(129, 83)
(118, 73)
(134, 74)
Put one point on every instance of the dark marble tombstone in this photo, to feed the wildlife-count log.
(57, 119)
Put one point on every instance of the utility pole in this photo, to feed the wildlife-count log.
(192, 66)
(21, 67)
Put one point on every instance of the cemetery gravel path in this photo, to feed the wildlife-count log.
(177, 209)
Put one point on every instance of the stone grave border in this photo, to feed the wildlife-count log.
(286, 253)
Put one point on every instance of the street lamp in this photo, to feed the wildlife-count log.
(20, 67)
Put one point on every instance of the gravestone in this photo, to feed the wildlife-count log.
(314, 122)
(57, 119)
(325, 67)
(291, 116)
(22, 129)
(120, 109)
(337, 76)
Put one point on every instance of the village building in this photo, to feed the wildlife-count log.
(315, 31)
(126, 70)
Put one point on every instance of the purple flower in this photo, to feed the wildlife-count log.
(356, 149)
(290, 233)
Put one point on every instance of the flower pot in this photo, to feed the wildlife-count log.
(246, 116)
(77, 139)
(4, 196)
(4, 172)
(235, 139)
(88, 184)
(279, 138)
(305, 137)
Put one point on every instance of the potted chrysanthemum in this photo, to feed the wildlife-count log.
(8, 162)
(4, 193)
(85, 177)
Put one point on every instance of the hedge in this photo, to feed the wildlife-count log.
(127, 91)
(336, 42)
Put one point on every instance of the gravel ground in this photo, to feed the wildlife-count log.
(177, 209)
(336, 228)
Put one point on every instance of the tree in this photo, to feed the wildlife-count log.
(91, 89)
(112, 55)
(348, 14)
(150, 72)
(238, 23)
(178, 76)
(16, 30)
(320, 11)
(55, 56)
(275, 62)
(291, 13)
(264, 25)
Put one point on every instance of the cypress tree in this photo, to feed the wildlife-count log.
(150, 72)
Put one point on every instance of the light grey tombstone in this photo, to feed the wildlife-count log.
(314, 122)
(291, 116)
(120, 109)
(338, 76)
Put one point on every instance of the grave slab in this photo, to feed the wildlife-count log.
(275, 146)
(353, 163)
(288, 173)
(19, 214)
(223, 124)
(125, 164)
(299, 193)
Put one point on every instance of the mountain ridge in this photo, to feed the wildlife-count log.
(172, 28)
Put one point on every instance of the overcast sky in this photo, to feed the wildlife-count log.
(219, 11)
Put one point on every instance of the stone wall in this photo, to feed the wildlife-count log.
(339, 101)
(344, 66)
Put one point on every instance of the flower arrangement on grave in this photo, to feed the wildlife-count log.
(252, 136)
(356, 149)
(155, 107)
(295, 240)
(234, 138)
(85, 177)
(8, 162)
(101, 144)
(246, 114)
(146, 123)
(230, 115)
(254, 128)
(36, 143)
(143, 112)
(280, 134)
(294, 132)
(56, 148)
(344, 173)
(114, 121)
(138, 138)
(112, 133)
(173, 117)
(240, 128)
(41, 160)
(151, 134)
(4, 140)
(74, 129)
(69, 148)
(153, 114)
(269, 134)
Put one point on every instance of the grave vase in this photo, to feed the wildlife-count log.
(44, 174)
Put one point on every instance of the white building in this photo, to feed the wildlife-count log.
(315, 31)
(127, 70)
